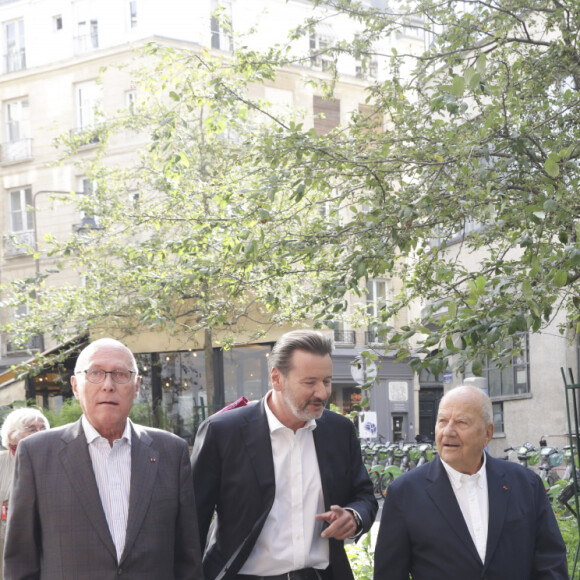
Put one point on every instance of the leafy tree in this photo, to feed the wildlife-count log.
(470, 194)
(183, 235)
(462, 182)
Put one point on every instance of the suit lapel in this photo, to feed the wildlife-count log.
(256, 436)
(320, 443)
(498, 488)
(76, 462)
(144, 465)
(441, 492)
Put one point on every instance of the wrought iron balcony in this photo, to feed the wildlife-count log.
(18, 244)
(15, 151)
(345, 337)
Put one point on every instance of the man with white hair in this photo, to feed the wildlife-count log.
(466, 514)
(102, 497)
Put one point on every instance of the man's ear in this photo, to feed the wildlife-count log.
(276, 379)
(489, 431)
(73, 382)
(137, 387)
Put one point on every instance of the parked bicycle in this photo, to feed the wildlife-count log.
(527, 454)
(550, 459)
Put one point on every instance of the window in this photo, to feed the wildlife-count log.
(326, 114)
(133, 13)
(245, 371)
(57, 23)
(88, 219)
(88, 99)
(377, 297)
(414, 28)
(87, 37)
(15, 55)
(497, 409)
(33, 343)
(368, 70)
(221, 26)
(17, 131)
(319, 56)
(514, 378)
(21, 211)
(343, 336)
(130, 99)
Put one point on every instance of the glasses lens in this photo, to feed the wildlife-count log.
(95, 375)
(121, 377)
(98, 376)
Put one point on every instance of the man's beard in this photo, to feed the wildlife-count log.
(301, 413)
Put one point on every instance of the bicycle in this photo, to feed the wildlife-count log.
(527, 454)
(550, 458)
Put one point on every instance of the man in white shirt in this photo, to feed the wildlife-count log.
(465, 514)
(284, 476)
(103, 498)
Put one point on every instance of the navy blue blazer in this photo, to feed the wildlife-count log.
(423, 531)
(233, 474)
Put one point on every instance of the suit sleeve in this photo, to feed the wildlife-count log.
(362, 498)
(187, 562)
(550, 550)
(23, 535)
(206, 467)
(393, 547)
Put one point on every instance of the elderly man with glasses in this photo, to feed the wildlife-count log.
(103, 497)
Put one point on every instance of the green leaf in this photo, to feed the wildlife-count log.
(552, 168)
(560, 278)
(458, 86)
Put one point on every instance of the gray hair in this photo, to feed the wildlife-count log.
(306, 340)
(16, 423)
(100, 343)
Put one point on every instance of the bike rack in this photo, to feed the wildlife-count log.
(573, 410)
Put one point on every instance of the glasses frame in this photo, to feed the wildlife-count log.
(131, 373)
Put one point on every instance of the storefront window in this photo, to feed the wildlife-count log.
(246, 372)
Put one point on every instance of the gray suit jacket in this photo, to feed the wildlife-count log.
(57, 527)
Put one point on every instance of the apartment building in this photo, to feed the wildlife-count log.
(53, 52)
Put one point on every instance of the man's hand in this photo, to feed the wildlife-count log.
(342, 523)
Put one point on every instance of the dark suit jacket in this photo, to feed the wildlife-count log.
(233, 473)
(57, 529)
(423, 531)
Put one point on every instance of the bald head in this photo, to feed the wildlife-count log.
(464, 428)
(476, 395)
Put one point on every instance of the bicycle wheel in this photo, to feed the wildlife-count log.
(375, 478)
(386, 480)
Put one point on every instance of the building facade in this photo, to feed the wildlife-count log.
(51, 83)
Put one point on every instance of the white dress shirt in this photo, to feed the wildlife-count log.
(290, 538)
(472, 496)
(112, 467)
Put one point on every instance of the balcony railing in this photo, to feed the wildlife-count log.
(33, 344)
(345, 337)
(86, 43)
(15, 60)
(86, 136)
(15, 151)
(18, 244)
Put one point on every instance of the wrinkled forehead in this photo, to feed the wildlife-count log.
(460, 405)
(103, 355)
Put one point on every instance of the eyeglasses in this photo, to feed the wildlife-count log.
(97, 376)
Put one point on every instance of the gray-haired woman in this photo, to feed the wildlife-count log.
(17, 425)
